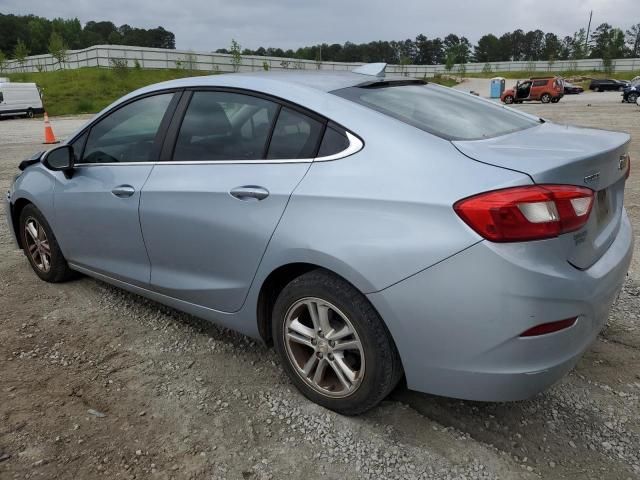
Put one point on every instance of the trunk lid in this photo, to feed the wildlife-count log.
(560, 154)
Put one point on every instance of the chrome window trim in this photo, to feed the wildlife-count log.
(355, 145)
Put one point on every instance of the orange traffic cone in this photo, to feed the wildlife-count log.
(49, 137)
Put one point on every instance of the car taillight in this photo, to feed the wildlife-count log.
(526, 213)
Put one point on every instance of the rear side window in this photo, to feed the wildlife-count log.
(224, 126)
(334, 141)
(296, 135)
(539, 83)
(440, 111)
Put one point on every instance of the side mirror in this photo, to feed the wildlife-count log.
(60, 159)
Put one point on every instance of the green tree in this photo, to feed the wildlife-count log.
(578, 45)
(21, 52)
(58, 49)
(449, 62)
(552, 47)
(459, 47)
(633, 40)
(236, 55)
(39, 31)
(488, 49)
(533, 48)
(3, 61)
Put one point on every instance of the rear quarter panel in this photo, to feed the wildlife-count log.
(385, 213)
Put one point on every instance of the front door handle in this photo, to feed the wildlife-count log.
(249, 192)
(123, 191)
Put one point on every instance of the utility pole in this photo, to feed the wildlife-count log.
(586, 42)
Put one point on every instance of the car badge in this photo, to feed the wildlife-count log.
(592, 178)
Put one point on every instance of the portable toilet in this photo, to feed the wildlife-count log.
(497, 86)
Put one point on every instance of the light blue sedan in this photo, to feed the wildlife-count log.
(371, 227)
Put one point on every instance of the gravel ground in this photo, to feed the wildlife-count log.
(99, 383)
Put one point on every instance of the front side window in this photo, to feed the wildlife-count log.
(225, 126)
(440, 111)
(128, 134)
(78, 145)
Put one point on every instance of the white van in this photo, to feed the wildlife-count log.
(20, 98)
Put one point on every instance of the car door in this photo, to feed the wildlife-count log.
(523, 90)
(537, 87)
(208, 212)
(97, 219)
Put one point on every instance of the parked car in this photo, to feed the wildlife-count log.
(545, 90)
(608, 84)
(571, 89)
(20, 99)
(371, 227)
(632, 92)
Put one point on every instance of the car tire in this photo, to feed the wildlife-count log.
(508, 99)
(373, 366)
(632, 97)
(30, 113)
(545, 98)
(41, 247)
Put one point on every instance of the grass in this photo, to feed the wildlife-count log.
(89, 90)
(445, 80)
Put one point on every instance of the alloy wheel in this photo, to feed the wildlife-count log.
(324, 347)
(38, 246)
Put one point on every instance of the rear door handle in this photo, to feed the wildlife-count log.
(123, 191)
(249, 192)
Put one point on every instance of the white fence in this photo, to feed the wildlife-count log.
(106, 55)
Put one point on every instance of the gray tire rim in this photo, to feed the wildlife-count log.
(323, 347)
(38, 247)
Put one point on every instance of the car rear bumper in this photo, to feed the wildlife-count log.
(457, 325)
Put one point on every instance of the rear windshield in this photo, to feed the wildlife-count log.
(441, 111)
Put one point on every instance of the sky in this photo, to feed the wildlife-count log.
(206, 25)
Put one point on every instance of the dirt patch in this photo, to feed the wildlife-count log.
(99, 383)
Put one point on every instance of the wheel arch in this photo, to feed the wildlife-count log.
(16, 210)
(275, 282)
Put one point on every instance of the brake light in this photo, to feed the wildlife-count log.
(533, 212)
(550, 327)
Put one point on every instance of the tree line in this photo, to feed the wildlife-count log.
(606, 42)
(20, 34)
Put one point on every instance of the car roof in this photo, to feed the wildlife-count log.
(324, 81)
